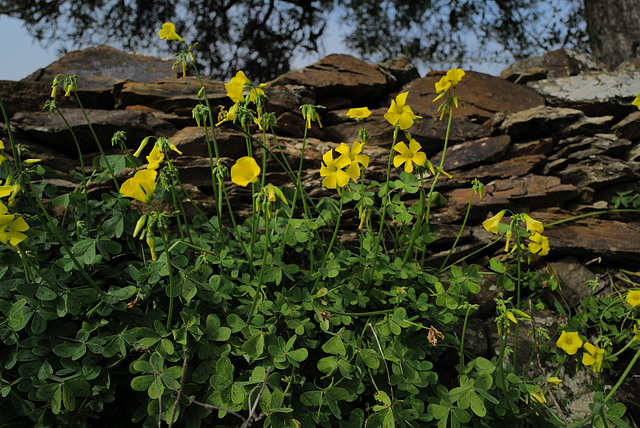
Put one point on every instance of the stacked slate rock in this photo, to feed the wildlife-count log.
(555, 136)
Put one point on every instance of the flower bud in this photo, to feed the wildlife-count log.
(140, 224)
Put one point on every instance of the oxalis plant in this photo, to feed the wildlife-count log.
(119, 310)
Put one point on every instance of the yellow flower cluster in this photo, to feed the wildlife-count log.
(539, 244)
(336, 176)
(11, 225)
(570, 342)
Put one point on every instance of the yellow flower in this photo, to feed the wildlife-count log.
(539, 398)
(359, 113)
(155, 157)
(400, 113)
(245, 171)
(333, 170)
(141, 186)
(633, 298)
(540, 244)
(636, 333)
(11, 229)
(409, 155)
(235, 87)
(5, 190)
(506, 246)
(636, 102)
(355, 157)
(594, 356)
(168, 32)
(570, 342)
(491, 224)
(554, 380)
(533, 226)
(449, 80)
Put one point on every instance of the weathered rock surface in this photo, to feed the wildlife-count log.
(567, 139)
(559, 143)
(595, 93)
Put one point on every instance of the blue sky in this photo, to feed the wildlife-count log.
(22, 55)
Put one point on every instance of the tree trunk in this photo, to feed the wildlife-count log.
(613, 27)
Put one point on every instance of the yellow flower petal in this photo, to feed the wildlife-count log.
(245, 171)
(570, 342)
(491, 224)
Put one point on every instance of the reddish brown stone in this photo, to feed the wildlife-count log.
(338, 76)
(482, 94)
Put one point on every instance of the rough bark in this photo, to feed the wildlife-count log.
(612, 26)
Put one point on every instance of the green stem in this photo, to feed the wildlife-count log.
(84, 176)
(167, 254)
(621, 210)
(95, 137)
(333, 238)
(267, 245)
(464, 223)
(16, 156)
(385, 203)
(519, 286)
(464, 330)
(48, 223)
(623, 376)
(435, 180)
(417, 227)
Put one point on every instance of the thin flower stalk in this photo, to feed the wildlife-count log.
(333, 239)
(80, 157)
(417, 226)
(97, 140)
(385, 201)
(435, 179)
(167, 255)
(455, 243)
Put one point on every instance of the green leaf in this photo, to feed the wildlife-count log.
(155, 389)
(56, 400)
(45, 293)
(254, 346)
(142, 383)
(477, 405)
(298, 355)
(335, 345)
(123, 293)
(68, 399)
(383, 397)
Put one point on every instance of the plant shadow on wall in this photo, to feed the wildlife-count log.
(120, 310)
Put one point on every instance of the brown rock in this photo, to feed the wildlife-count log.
(540, 121)
(513, 167)
(629, 127)
(482, 94)
(530, 190)
(576, 149)
(192, 142)
(28, 96)
(178, 96)
(289, 98)
(99, 68)
(338, 76)
(472, 153)
(401, 70)
(575, 278)
(558, 63)
(592, 237)
(48, 129)
(542, 146)
(599, 171)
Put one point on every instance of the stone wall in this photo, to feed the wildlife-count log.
(555, 136)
